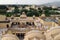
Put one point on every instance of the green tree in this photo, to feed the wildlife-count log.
(9, 14)
(24, 10)
(16, 10)
(47, 13)
(32, 12)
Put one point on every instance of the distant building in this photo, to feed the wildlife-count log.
(10, 9)
(54, 6)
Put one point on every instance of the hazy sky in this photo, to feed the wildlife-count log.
(26, 1)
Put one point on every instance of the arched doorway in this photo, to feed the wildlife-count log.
(7, 26)
(28, 23)
(20, 35)
(15, 24)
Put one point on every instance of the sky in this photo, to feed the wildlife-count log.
(35, 2)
